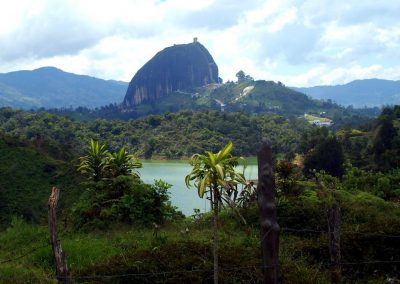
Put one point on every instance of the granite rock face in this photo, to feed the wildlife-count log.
(179, 67)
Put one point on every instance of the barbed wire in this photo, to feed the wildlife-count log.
(288, 229)
(27, 279)
(302, 230)
(62, 234)
(371, 262)
(25, 254)
(341, 231)
(165, 273)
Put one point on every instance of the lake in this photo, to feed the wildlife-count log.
(174, 172)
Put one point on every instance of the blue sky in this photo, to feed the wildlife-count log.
(300, 43)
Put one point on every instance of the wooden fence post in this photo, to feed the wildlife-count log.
(268, 219)
(333, 216)
(59, 257)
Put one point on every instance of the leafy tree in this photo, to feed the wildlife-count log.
(384, 146)
(384, 136)
(122, 163)
(287, 175)
(95, 162)
(327, 156)
(240, 76)
(310, 139)
(215, 173)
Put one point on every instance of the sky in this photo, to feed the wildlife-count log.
(300, 43)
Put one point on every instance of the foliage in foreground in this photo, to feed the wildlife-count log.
(124, 199)
(183, 249)
(115, 192)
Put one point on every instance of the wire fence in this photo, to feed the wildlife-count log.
(222, 269)
(342, 231)
(166, 273)
(31, 251)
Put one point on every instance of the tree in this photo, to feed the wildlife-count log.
(99, 163)
(123, 163)
(95, 162)
(384, 136)
(310, 140)
(241, 76)
(384, 144)
(287, 175)
(327, 156)
(215, 173)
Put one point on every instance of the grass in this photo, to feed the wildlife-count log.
(183, 249)
(179, 246)
(176, 248)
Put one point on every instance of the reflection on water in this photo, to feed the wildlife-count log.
(174, 172)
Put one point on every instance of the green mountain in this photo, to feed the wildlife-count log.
(50, 87)
(185, 76)
(249, 96)
(359, 93)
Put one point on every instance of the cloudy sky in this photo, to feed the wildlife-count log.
(301, 43)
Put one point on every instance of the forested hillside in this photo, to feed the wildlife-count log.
(172, 135)
(247, 96)
(27, 175)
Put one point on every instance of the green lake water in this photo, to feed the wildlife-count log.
(174, 173)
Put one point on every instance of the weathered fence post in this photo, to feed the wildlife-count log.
(268, 219)
(59, 257)
(333, 216)
(215, 234)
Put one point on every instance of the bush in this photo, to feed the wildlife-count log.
(124, 199)
(287, 176)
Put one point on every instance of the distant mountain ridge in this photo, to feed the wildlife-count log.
(359, 93)
(50, 87)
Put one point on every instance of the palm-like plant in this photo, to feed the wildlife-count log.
(215, 173)
(122, 163)
(95, 162)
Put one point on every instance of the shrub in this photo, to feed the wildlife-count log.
(124, 199)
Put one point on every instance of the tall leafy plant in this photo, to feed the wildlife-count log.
(95, 163)
(123, 163)
(215, 173)
(99, 163)
(113, 184)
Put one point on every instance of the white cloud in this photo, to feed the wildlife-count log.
(287, 17)
(297, 42)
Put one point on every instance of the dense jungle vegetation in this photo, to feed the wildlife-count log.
(169, 136)
(116, 228)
